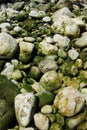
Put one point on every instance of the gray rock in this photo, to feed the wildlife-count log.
(24, 108)
(8, 45)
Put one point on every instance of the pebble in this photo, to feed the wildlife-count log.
(46, 109)
(24, 108)
(17, 29)
(46, 19)
(73, 54)
(37, 13)
(41, 121)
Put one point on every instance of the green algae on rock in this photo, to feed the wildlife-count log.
(8, 91)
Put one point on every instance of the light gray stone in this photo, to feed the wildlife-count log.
(8, 45)
(24, 108)
(41, 121)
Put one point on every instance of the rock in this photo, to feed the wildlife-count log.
(76, 120)
(18, 5)
(37, 13)
(47, 49)
(41, 119)
(51, 80)
(69, 101)
(44, 97)
(46, 19)
(47, 64)
(8, 70)
(46, 109)
(5, 27)
(24, 108)
(66, 26)
(8, 91)
(26, 50)
(18, 29)
(8, 46)
(28, 128)
(81, 42)
(73, 54)
(63, 41)
(60, 12)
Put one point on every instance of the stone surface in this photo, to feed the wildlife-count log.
(24, 108)
(8, 46)
(69, 101)
(41, 119)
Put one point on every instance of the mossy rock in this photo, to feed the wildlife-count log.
(8, 91)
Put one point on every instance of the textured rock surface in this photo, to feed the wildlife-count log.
(24, 108)
(69, 101)
(8, 46)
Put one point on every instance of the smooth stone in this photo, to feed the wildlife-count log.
(29, 39)
(17, 29)
(46, 109)
(8, 46)
(24, 108)
(41, 121)
(37, 13)
(46, 19)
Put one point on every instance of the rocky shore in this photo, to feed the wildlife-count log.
(43, 65)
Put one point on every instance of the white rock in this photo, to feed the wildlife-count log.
(24, 108)
(46, 19)
(73, 54)
(46, 109)
(37, 13)
(29, 39)
(69, 101)
(60, 12)
(8, 71)
(17, 29)
(41, 121)
(47, 49)
(66, 26)
(5, 27)
(11, 12)
(8, 45)
(62, 41)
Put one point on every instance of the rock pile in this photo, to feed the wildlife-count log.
(43, 56)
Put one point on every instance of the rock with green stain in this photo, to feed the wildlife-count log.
(51, 80)
(44, 98)
(8, 91)
(55, 126)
